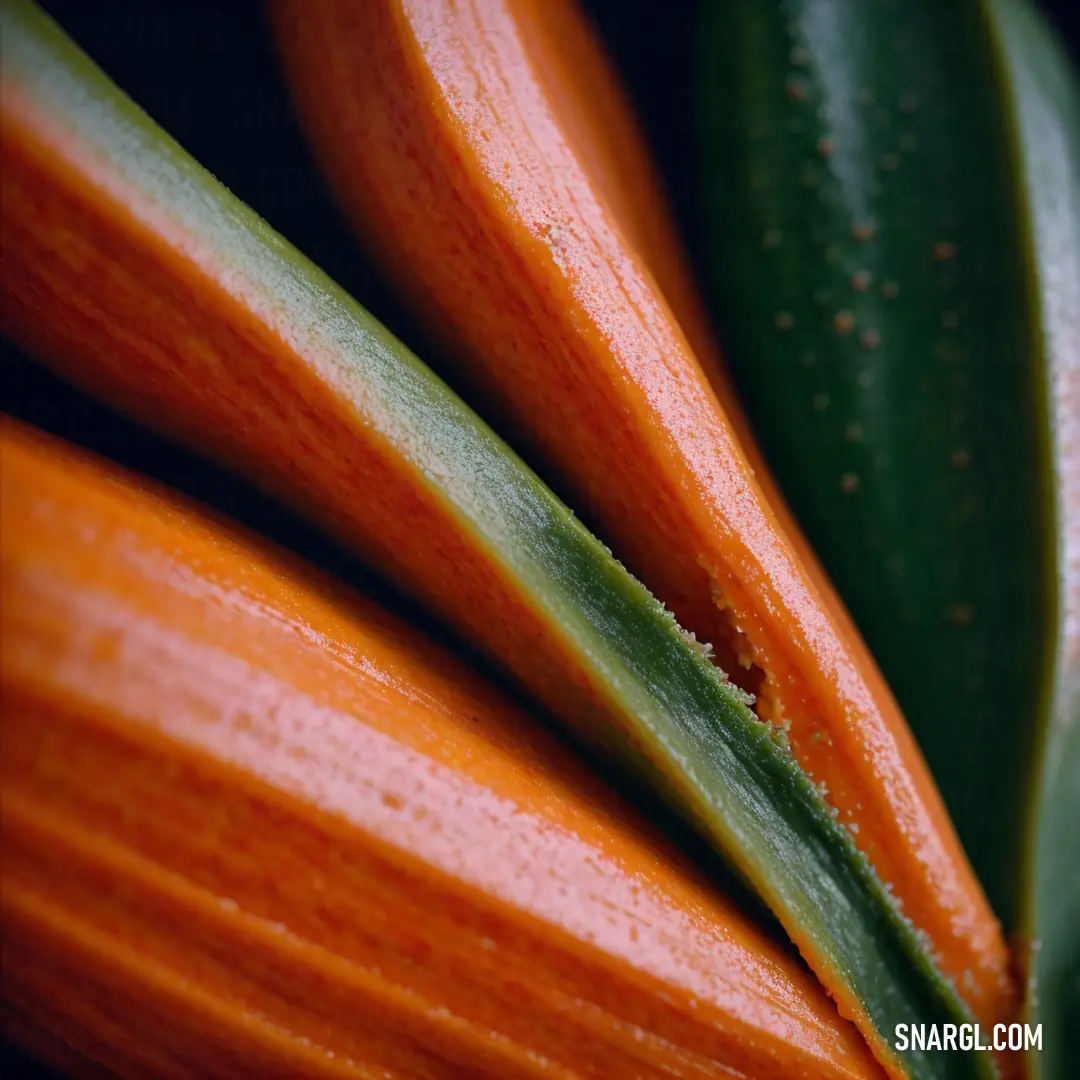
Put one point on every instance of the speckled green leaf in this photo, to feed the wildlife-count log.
(893, 196)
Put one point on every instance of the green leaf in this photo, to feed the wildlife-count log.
(1042, 103)
(894, 203)
(873, 256)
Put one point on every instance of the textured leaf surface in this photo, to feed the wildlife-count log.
(894, 191)
(146, 282)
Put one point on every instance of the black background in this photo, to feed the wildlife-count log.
(205, 72)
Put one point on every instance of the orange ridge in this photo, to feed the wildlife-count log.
(254, 826)
(483, 149)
